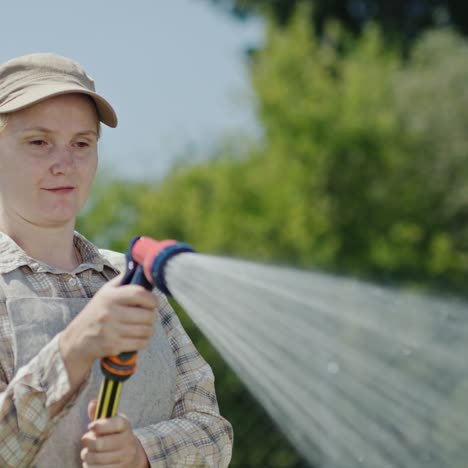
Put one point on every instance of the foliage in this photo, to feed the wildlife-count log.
(362, 170)
(401, 20)
(432, 99)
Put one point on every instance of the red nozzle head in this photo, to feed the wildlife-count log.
(153, 256)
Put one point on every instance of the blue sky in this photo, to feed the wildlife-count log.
(173, 69)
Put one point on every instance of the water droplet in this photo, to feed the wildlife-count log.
(333, 367)
(426, 457)
(407, 351)
(445, 315)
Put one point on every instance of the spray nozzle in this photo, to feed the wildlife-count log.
(153, 255)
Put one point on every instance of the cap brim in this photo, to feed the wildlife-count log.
(37, 94)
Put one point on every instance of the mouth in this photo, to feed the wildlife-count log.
(64, 189)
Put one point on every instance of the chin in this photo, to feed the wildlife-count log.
(62, 214)
(58, 220)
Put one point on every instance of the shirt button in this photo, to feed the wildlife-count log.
(72, 282)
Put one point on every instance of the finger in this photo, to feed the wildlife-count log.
(138, 296)
(92, 409)
(132, 344)
(136, 315)
(143, 332)
(114, 425)
(112, 465)
(104, 443)
(107, 459)
(117, 457)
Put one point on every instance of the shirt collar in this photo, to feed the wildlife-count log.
(12, 256)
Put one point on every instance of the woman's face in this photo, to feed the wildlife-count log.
(48, 159)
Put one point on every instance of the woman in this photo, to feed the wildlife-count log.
(61, 306)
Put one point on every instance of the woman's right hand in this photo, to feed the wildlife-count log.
(117, 319)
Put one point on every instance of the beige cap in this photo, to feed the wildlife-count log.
(33, 78)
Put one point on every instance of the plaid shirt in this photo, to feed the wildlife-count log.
(196, 434)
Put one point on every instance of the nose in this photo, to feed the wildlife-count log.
(63, 161)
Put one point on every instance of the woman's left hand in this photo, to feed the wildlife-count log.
(111, 442)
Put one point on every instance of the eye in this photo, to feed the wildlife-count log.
(83, 144)
(38, 142)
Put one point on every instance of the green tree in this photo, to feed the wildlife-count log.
(400, 20)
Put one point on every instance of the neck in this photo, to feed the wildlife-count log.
(51, 245)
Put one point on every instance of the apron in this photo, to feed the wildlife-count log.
(147, 397)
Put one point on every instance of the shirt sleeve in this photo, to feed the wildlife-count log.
(25, 422)
(196, 435)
